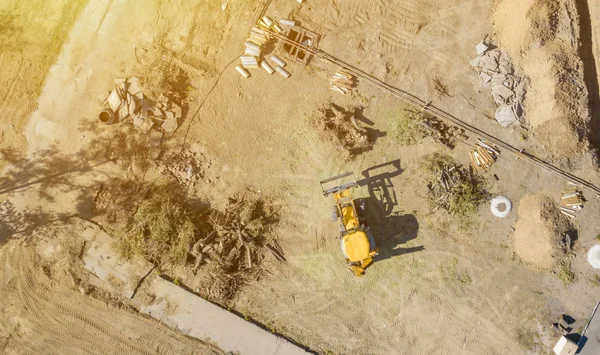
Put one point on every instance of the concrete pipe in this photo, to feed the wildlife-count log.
(267, 20)
(501, 206)
(253, 46)
(107, 116)
(286, 22)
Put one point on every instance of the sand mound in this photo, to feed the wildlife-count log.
(539, 232)
(542, 37)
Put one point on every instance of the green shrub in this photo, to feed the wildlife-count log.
(160, 230)
(407, 128)
(465, 194)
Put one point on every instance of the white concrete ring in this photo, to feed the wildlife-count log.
(501, 206)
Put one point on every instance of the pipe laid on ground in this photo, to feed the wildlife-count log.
(268, 68)
(243, 71)
(286, 22)
(252, 45)
(267, 20)
(283, 72)
(278, 61)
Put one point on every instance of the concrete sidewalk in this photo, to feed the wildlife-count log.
(198, 318)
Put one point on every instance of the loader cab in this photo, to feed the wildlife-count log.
(358, 244)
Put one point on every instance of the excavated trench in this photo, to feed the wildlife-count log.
(586, 51)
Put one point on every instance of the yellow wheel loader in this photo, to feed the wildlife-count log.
(357, 242)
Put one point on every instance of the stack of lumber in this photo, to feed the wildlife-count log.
(342, 82)
(484, 155)
(571, 200)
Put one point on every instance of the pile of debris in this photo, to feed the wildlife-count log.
(127, 100)
(571, 200)
(341, 127)
(185, 167)
(342, 82)
(452, 187)
(495, 68)
(443, 188)
(484, 155)
(440, 132)
(232, 254)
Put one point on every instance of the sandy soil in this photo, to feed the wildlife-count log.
(434, 289)
(42, 313)
(539, 232)
(543, 39)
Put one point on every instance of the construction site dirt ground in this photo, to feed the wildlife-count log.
(435, 288)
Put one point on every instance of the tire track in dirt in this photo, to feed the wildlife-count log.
(53, 319)
(401, 23)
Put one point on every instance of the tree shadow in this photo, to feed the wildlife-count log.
(15, 222)
(48, 173)
(390, 229)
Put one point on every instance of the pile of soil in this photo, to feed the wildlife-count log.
(542, 37)
(539, 235)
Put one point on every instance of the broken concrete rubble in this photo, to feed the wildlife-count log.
(127, 100)
(506, 116)
(495, 67)
(481, 48)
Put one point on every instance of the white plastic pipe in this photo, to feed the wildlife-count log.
(286, 22)
(283, 72)
(252, 45)
(278, 61)
(243, 71)
(269, 69)
(267, 20)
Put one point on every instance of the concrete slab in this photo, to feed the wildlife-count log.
(505, 116)
(203, 320)
(103, 261)
(481, 48)
(590, 339)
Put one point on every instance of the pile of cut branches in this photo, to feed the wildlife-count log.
(153, 221)
(453, 187)
(232, 253)
(340, 126)
(413, 125)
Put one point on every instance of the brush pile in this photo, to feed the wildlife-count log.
(341, 127)
(439, 131)
(233, 252)
(452, 187)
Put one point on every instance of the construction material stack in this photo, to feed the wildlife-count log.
(342, 82)
(484, 155)
(571, 200)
